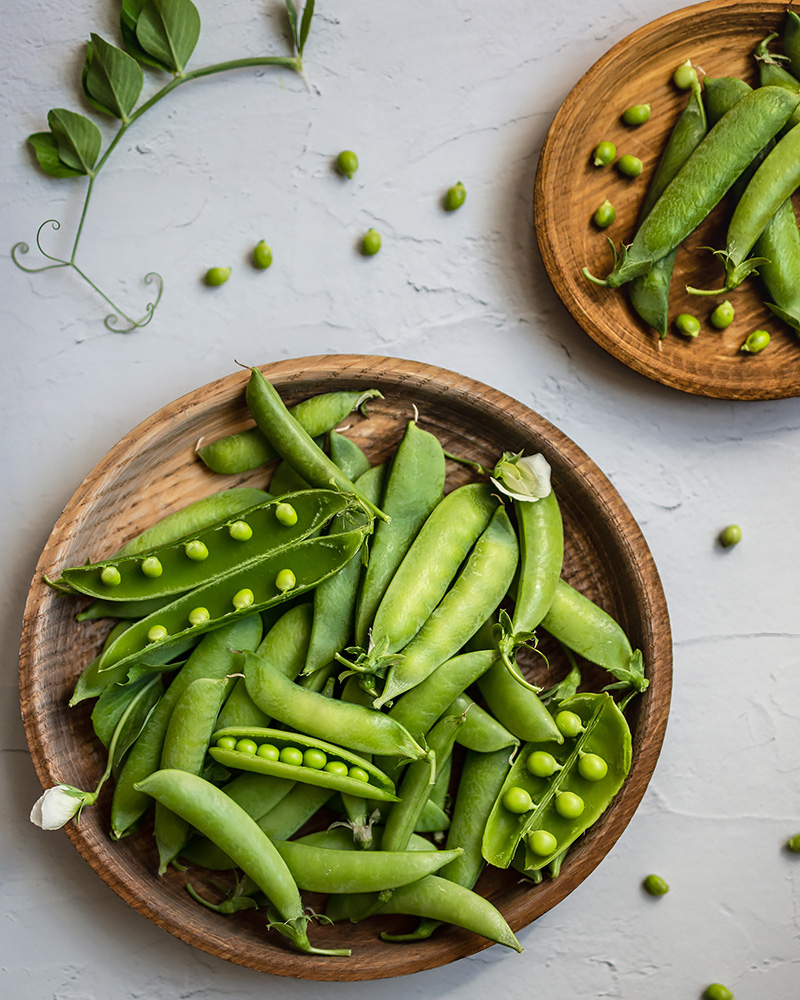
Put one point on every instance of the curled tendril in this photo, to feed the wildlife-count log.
(22, 248)
(113, 318)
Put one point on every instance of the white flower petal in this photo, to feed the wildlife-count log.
(56, 806)
(526, 479)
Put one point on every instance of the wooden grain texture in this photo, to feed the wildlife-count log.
(719, 38)
(153, 471)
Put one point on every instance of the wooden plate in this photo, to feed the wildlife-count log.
(719, 37)
(153, 471)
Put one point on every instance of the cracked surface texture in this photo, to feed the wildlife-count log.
(426, 94)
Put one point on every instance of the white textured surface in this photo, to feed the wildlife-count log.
(427, 93)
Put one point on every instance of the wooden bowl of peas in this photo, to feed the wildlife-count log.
(154, 470)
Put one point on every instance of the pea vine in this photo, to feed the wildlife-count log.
(160, 35)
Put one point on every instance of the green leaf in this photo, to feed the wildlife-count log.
(305, 25)
(128, 19)
(78, 139)
(113, 702)
(112, 80)
(46, 149)
(291, 13)
(168, 31)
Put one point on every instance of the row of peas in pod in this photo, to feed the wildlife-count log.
(730, 140)
(356, 671)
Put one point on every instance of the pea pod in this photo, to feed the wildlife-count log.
(649, 293)
(605, 733)
(210, 811)
(201, 558)
(791, 41)
(772, 74)
(250, 448)
(414, 487)
(480, 731)
(308, 562)
(476, 592)
(376, 786)
(703, 180)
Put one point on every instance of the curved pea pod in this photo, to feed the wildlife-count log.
(606, 734)
(379, 786)
(516, 705)
(249, 449)
(480, 731)
(309, 561)
(209, 554)
(702, 181)
(210, 811)
(772, 74)
(414, 486)
(541, 548)
(361, 729)
(476, 592)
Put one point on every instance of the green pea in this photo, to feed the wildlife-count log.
(685, 76)
(268, 752)
(199, 616)
(793, 843)
(716, 991)
(217, 275)
(542, 842)
(285, 514)
(315, 759)
(604, 215)
(196, 550)
(291, 755)
(637, 114)
(722, 316)
(630, 166)
(756, 342)
(591, 767)
(285, 580)
(569, 805)
(371, 243)
(247, 746)
(568, 723)
(243, 598)
(336, 767)
(358, 773)
(227, 742)
(151, 567)
(655, 885)
(156, 633)
(542, 764)
(455, 197)
(517, 800)
(731, 534)
(687, 324)
(604, 153)
(347, 163)
(110, 576)
(262, 255)
(240, 531)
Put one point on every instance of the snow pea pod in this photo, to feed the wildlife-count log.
(414, 486)
(293, 443)
(308, 562)
(703, 180)
(353, 726)
(196, 560)
(250, 448)
(476, 592)
(371, 784)
(210, 811)
(551, 824)
(649, 293)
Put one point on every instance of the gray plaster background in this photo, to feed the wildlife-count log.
(426, 93)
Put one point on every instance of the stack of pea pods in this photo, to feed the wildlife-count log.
(280, 712)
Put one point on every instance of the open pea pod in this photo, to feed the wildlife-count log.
(197, 559)
(369, 782)
(278, 576)
(587, 772)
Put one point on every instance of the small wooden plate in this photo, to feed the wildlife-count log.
(154, 470)
(719, 37)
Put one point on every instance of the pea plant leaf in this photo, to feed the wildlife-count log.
(305, 26)
(46, 149)
(291, 13)
(168, 31)
(77, 138)
(122, 710)
(128, 19)
(112, 80)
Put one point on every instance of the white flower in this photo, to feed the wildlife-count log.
(526, 479)
(58, 805)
